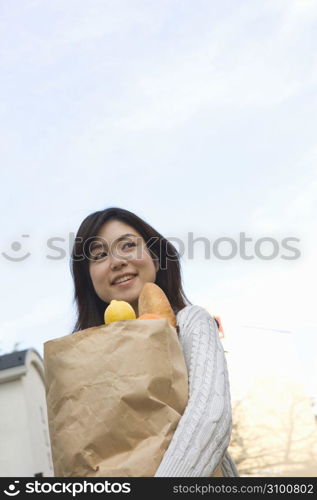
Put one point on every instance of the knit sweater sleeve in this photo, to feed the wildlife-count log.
(203, 432)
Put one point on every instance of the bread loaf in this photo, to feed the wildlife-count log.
(152, 300)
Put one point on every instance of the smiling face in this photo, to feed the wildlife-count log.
(119, 250)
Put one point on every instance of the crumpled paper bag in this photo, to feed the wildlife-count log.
(115, 394)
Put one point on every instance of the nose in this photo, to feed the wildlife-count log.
(117, 262)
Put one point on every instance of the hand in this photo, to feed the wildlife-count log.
(219, 324)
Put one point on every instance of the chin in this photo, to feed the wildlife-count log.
(128, 297)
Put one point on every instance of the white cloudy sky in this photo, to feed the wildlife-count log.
(198, 116)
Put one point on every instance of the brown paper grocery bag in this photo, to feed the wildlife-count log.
(115, 394)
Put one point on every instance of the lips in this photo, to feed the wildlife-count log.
(131, 276)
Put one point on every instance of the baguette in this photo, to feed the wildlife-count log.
(152, 300)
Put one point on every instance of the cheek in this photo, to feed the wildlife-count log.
(97, 276)
(147, 264)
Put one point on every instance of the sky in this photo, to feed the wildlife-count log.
(201, 118)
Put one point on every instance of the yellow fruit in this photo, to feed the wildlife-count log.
(118, 310)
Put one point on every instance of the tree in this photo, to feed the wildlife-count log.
(274, 429)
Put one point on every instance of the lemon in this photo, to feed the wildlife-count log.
(118, 310)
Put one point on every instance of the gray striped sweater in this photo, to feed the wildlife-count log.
(200, 441)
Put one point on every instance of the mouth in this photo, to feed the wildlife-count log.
(126, 282)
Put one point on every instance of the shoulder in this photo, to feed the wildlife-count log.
(197, 333)
(192, 316)
(193, 312)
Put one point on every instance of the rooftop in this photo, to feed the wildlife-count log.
(15, 358)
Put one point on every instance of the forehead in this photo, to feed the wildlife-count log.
(112, 230)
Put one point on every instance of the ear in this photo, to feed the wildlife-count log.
(157, 265)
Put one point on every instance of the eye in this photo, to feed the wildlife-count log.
(130, 244)
(98, 256)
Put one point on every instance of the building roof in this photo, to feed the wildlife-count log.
(15, 358)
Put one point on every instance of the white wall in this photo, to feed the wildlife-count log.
(15, 449)
(24, 437)
(34, 393)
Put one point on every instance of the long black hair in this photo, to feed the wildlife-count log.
(90, 308)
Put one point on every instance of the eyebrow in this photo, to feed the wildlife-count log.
(99, 244)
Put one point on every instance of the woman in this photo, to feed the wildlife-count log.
(115, 253)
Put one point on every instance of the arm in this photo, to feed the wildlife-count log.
(204, 430)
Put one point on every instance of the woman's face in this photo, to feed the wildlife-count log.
(119, 250)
